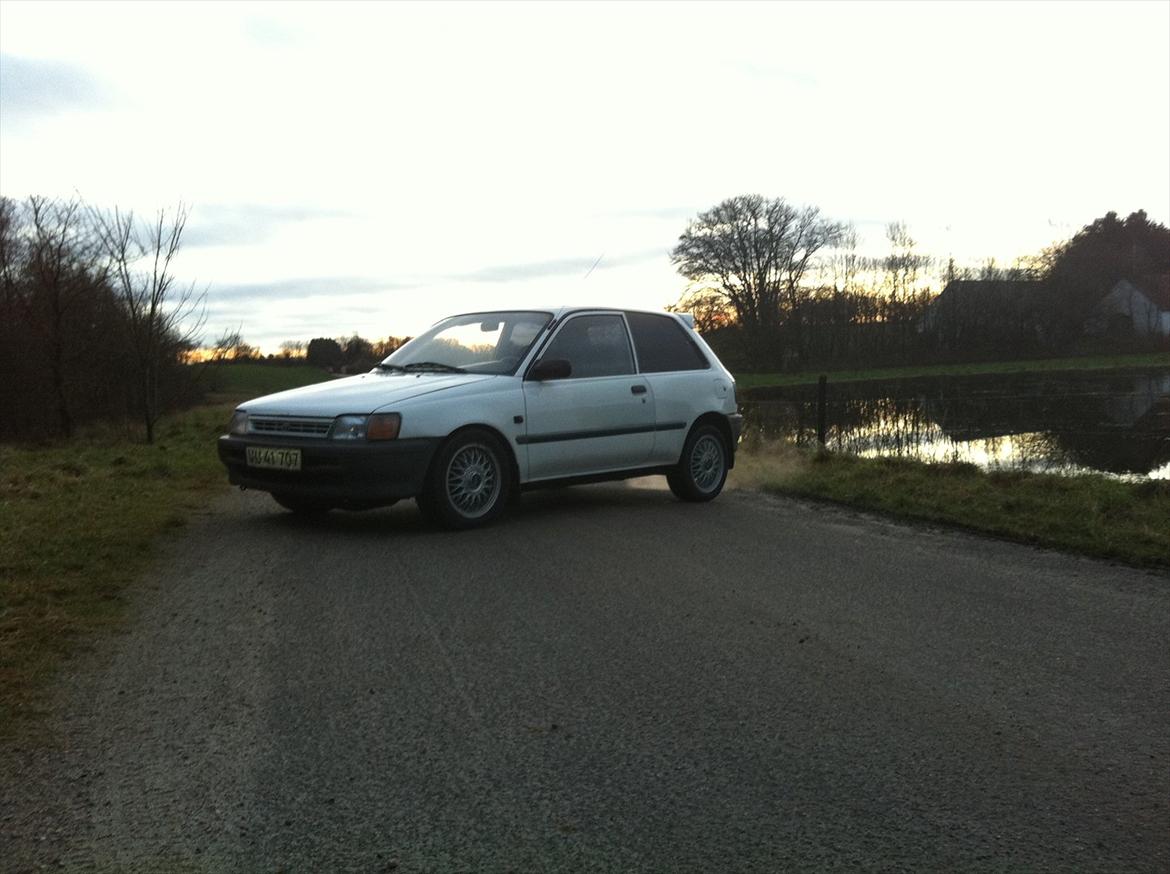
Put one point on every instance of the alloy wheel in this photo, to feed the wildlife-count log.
(706, 463)
(473, 480)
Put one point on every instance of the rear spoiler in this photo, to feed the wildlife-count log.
(689, 318)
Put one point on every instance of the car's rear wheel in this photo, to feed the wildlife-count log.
(470, 482)
(302, 506)
(702, 469)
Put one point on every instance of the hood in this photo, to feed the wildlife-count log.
(357, 394)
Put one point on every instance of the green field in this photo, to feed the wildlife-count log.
(1092, 515)
(749, 381)
(249, 380)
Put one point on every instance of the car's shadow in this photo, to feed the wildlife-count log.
(536, 507)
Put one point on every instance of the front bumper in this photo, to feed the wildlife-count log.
(354, 474)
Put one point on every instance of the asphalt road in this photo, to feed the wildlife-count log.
(609, 680)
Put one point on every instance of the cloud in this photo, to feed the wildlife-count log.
(231, 298)
(560, 267)
(268, 326)
(267, 313)
(244, 224)
(31, 87)
(224, 296)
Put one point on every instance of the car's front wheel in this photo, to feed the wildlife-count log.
(470, 481)
(702, 469)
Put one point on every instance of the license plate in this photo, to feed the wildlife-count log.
(277, 459)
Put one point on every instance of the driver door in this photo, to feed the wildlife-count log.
(601, 417)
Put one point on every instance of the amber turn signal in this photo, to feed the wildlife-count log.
(383, 426)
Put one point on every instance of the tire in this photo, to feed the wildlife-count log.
(302, 506)
(702, 469)
(470, 482)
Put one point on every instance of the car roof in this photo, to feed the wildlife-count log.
(563, 310)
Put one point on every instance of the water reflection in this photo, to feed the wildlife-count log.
(1116, 423)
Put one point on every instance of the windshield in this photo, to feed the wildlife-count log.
(475, 343)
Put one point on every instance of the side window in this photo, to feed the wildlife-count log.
(593, 346)
(663, 344)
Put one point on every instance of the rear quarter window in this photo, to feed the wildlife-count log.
(662, 344)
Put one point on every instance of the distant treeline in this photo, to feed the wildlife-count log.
(352, 354)
(775, 287)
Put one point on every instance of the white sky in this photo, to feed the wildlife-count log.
(372, 167)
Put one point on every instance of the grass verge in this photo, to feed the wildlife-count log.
(1091, 515)
(78, 521)
(1044, 365)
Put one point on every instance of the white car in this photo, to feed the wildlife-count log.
(484, 405)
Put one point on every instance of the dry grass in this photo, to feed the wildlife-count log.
(1093, 515)
(78, 523)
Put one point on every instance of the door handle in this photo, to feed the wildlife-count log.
(638, 389)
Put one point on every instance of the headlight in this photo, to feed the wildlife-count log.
(349, 428)
(382, 426)
(239, 423)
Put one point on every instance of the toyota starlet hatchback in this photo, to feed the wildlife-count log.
(485, 405)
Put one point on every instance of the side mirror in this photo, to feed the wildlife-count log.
(550, 368)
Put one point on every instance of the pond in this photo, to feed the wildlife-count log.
(1109, 422)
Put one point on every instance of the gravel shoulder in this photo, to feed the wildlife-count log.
(608, 680)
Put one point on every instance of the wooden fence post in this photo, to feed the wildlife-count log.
(822, 392)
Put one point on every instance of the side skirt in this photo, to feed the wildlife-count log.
(610, 476)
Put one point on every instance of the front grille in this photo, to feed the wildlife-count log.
(289, 426)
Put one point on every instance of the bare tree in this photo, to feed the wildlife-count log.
(388, 345)
(225, 345)
(903, 265)
(163, 318)
(57, 311)
(13, 345)
(754, 252)
(63, 266)
(292, 349)
(231, 346)
(12, 252)
(846, 262)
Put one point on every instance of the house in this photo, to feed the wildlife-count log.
(1141, 308)
(985, 313)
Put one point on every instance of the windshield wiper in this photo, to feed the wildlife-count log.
(384, 366)
(434, 365)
